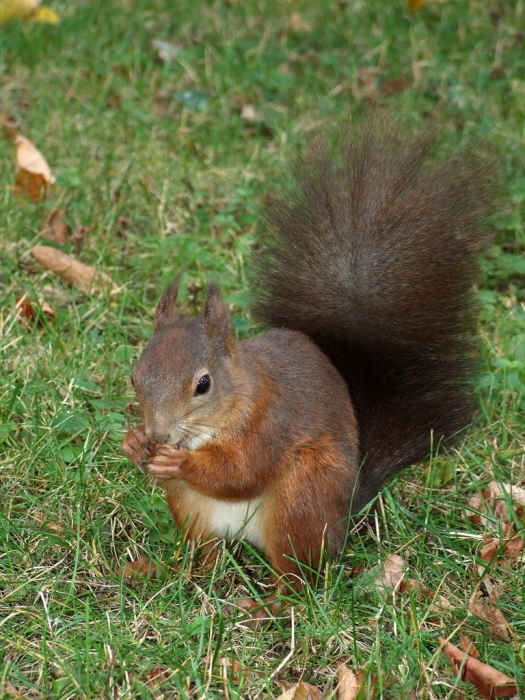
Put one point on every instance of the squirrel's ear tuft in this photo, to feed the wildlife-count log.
(217, 320)
(165, 311)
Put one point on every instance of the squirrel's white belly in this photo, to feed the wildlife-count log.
(233, 520)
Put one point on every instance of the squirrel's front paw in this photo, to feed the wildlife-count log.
(136, 447)
(166, 462)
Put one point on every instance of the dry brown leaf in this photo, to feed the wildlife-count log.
(487, 611)
(26, 311)
(392, 86)
(288, 693)
(391, 575)
(505, 551)
(492, 499)
(55, 228)
(84, 277)
(489, 682)
(299, 691)
(370, 682)
(33, 174)
(467, 646)
(236, 670)
(515, 493)
(49, 525)
(476, 506)
(9, 691)
(8, 126)
(356, 570)
(347, 686)
(157, 675)
(139, 568)
(415, 5)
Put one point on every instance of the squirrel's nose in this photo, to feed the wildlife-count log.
(155, 436)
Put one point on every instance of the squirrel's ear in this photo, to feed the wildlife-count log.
(164, 313)
(217, 320)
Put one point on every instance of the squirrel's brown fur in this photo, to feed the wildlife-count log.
(367, 278)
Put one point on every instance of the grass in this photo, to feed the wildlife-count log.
(156, 161)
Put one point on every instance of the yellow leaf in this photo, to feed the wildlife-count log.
(46, 15)
(9, 9)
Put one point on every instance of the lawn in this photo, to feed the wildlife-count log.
(161, 164)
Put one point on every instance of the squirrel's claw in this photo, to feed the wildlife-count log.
(169, 451)
(167, 471)
(135, 446)
(166, 462)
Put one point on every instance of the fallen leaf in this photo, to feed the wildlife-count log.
(157, 675)
(236, 670)
(248, 113)
(477, 506)
(11, 9)
(467, 646)
(299, 691)
(393, 86)
(49, 525)
(347, 686)
(288, 694)
(514, 493)
(489, 682)
(142, 567)
(33, 174)
(369, 682)
(84, 277)
(55, 228)
(356, 570)
(503, 551)
(391, 575)
(492, 500)
(487, 611)
(45, 15)
(8, 126)
(27, 312)
(10, 691)
(415, 5)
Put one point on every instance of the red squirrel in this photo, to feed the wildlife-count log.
(366, 277)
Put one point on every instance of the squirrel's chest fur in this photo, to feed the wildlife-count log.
(207, 517)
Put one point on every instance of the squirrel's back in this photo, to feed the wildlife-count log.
(373, 255)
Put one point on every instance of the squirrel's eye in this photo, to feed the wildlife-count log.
(203, 385)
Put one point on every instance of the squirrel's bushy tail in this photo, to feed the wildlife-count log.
(373, 255)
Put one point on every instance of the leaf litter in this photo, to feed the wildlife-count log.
(33, 174)
(86, 278)
(490, 683)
